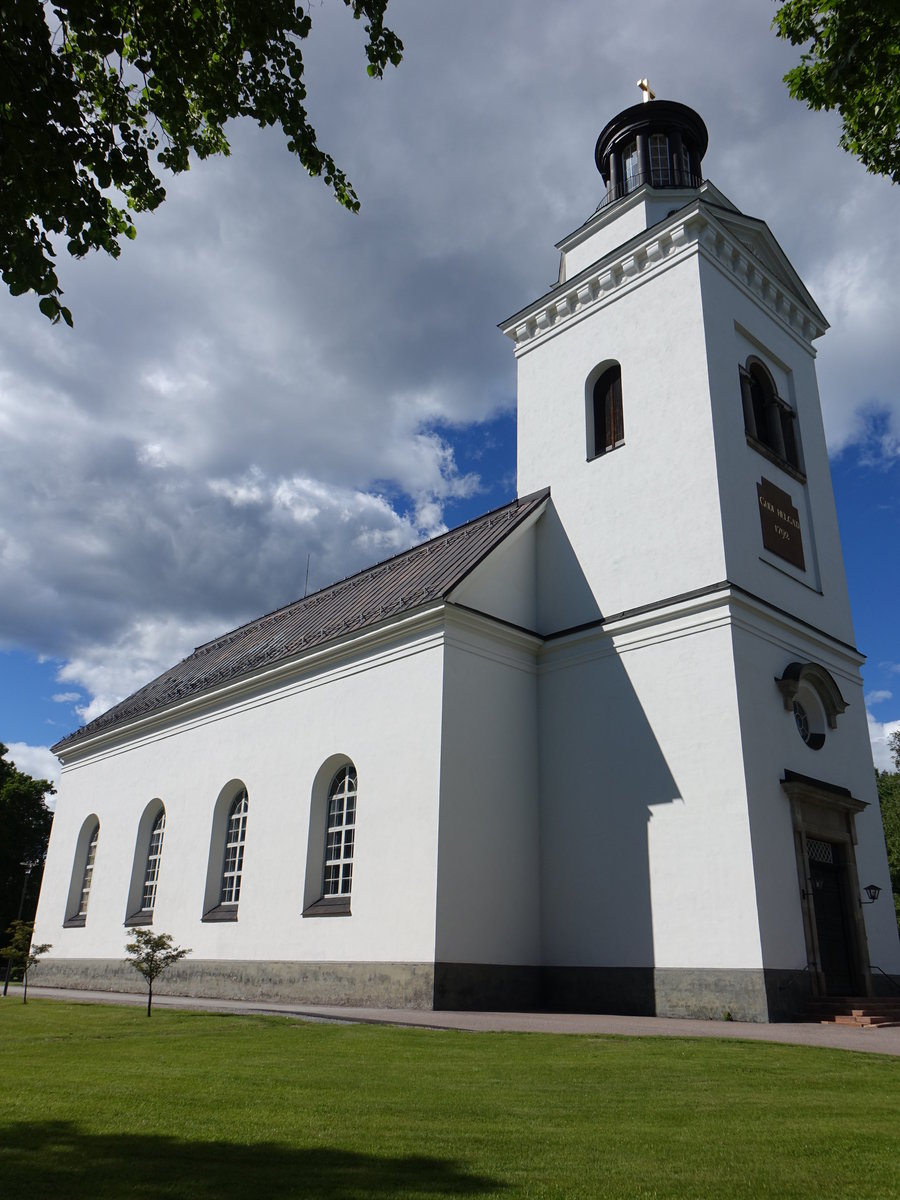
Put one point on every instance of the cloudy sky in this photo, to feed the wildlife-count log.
(263, 380)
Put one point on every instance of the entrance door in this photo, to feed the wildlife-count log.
(833, 929)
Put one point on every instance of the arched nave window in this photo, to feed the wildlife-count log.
(145, 866)
(82, 872)
(329, 872)
(225, 867)
(235, 836)
(154, 855)
(340, 833)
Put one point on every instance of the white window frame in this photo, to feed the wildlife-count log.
(83, 863)
(233, 859)
(154, 858)
(87, 877)
(340, 834)
(660, 168)
(631, 167)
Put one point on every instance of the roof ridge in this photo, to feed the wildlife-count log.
(359, 601)
(329, 589)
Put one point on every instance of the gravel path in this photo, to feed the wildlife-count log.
(877, 1041)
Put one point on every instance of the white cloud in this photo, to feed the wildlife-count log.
(878, 697)
(66, 697)
(110, 671)
(262, 378)
(37, 761)
(878, 734)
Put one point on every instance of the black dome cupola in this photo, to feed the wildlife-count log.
(660, 143)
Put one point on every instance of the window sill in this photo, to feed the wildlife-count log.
(608, 450)
(143, 917)
(329, 906)
(76, 922)
(766, 452)
(222, 912)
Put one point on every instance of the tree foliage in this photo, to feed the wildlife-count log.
(97, 95)
(22, 952)
(852, 64)
(151, 954)
(24, 830)
(889, 801)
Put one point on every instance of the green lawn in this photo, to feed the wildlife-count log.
(100, 1102)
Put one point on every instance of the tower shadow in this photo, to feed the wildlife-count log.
(57, 1160)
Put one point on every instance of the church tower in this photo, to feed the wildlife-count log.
(708, 809)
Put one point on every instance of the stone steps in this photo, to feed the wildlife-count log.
(862, 1012)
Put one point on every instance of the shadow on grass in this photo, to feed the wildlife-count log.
(55, 1160)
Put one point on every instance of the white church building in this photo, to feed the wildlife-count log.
(602, 749)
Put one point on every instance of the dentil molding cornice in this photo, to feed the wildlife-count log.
(692, 230)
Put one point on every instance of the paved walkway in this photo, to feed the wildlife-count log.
(837, 1037)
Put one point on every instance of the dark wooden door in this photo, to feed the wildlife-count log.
(833, 928)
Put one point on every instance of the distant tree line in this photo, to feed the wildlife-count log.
(889, 799)
(25, 822)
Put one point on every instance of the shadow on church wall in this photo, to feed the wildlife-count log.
(602, 774)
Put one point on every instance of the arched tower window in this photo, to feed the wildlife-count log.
(769, 421)
(606, 421)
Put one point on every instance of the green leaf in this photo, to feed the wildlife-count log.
(107, 95)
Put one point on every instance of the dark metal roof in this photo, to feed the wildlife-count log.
(401, 584)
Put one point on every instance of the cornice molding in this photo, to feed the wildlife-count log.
(691, 230)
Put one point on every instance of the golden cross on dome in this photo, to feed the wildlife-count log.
(644, 85)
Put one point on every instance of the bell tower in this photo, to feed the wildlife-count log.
(699, 667)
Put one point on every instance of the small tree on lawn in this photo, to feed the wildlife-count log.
(151, 954)
(22, 952)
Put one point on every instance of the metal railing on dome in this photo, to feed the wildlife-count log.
(626, 186)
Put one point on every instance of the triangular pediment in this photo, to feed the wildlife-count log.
(759, 241)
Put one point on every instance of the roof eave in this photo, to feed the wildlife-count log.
(413, 621)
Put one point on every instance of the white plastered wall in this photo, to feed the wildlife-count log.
(488, 906)
(504, 585)
(763, 647)
(644, 829)
(737, 326)
(642, 522)
(613, 226)
(274, 741)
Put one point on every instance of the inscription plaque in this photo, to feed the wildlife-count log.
(780, 523)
